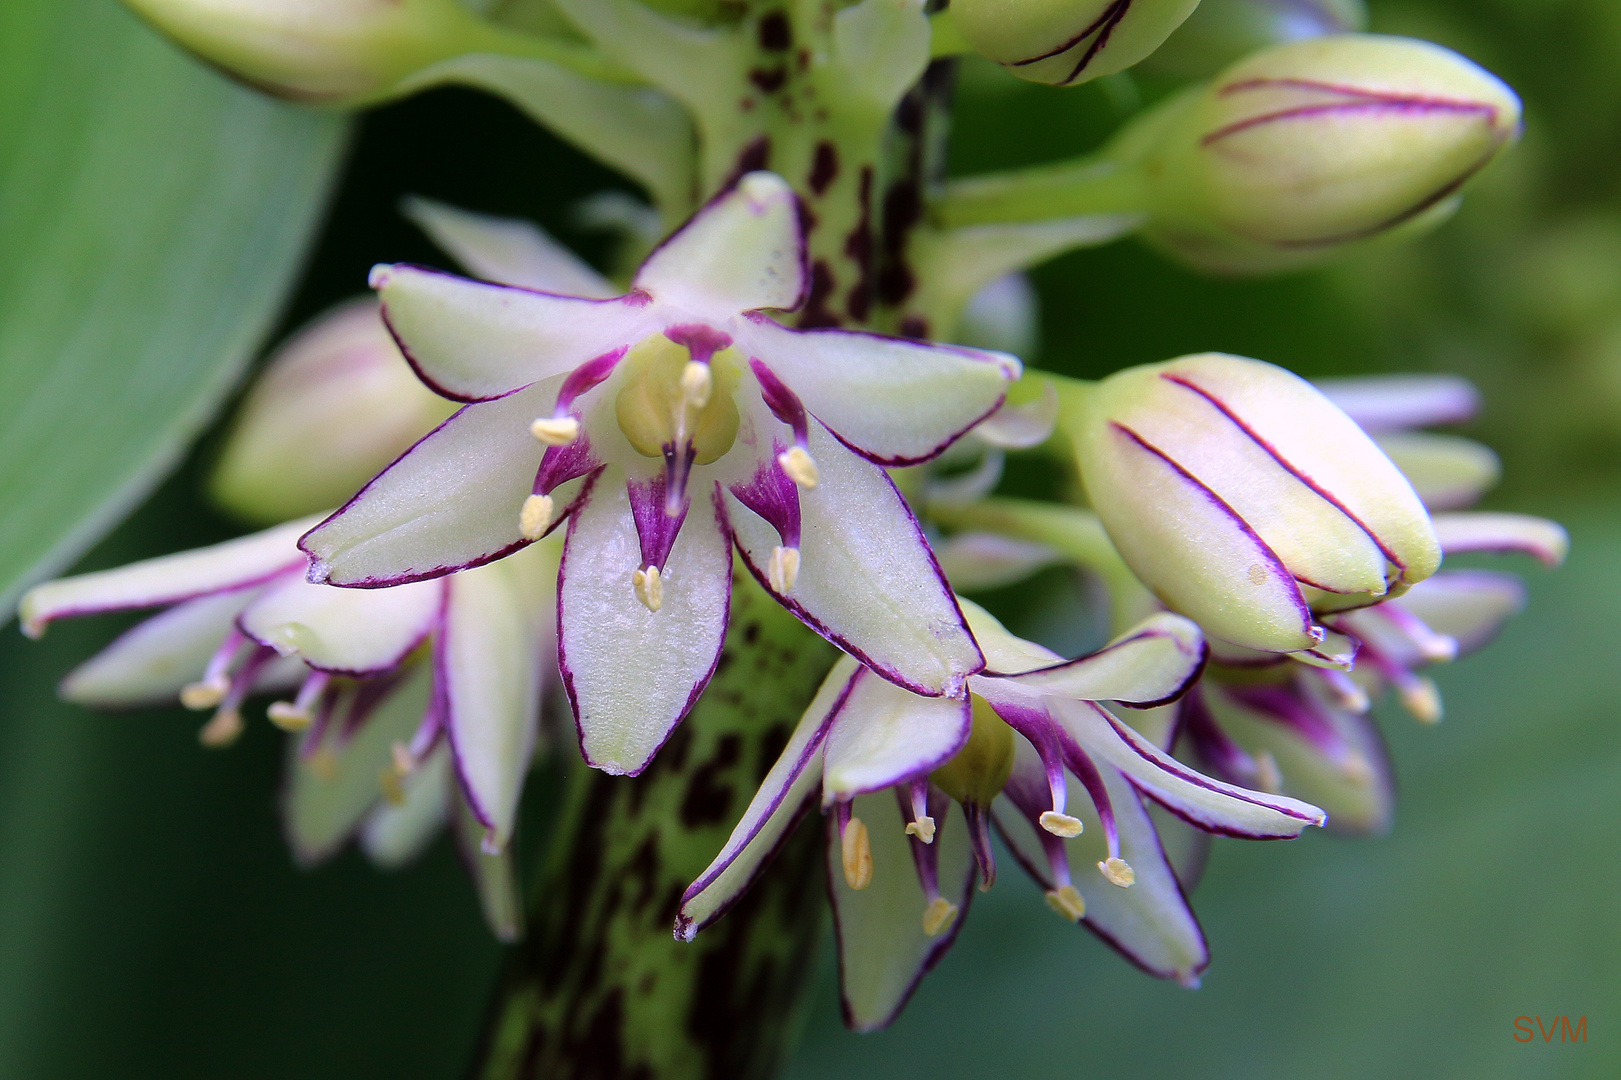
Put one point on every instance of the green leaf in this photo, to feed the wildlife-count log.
(152, 218)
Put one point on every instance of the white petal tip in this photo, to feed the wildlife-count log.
(922, 828)
(1422, 698)
(783, 569)
(762, 188)
(221, 731)
(378, 276)
(1061, 824)
(319, 572)
(856, 854)
(1119, 872)
(800, 467)
(492, 844)
(1068, 902)
(555, 430)
(206, 694)
(649, 587)
(938, 916)
(536, 516)
(288, 716)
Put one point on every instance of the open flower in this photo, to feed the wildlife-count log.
(396, 689)
(669, 423)
(894, 768)
(1246, 500)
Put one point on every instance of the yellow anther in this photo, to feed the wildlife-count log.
(783, 569)
(388, 781)
(1067, 902)
(800, 467)
(1423, 699)
(696, 384)
(223, 730)
(856, 854)
(288, 716)
(555, 430)
(1118, 871)
(535, 517)
(938, 916)
(324, 763)
(1061, 824)
(1268, 777)
(649, 587)
(205, 694)
(922, 828)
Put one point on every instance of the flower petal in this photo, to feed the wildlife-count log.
(490, 667)
(883, 950)
(1469, 606)
(494, 876)
(1210, 804)
(331, 785)
(472, 341)
(895, 401)
(1540, 538)
(883, 735)
(149, 663)
(1150, 664)
(394, 835)
(248, 560)
(982, 560)
(1023, 425)
(511, 251)
(1197, 558)
(1380, 403)
(632, 673)
(744, 250)
(452, 501)
(343, 631)
(867, 580)
(771, 814)
(1449, 472)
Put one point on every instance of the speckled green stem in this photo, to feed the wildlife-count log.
(601, 990)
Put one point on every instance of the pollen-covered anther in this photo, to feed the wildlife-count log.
(1118, 871)
(555, 430)
(536, 516)
(1061, 824)
(649, 587)
(1067, 901)
(1422, 698)
(205, 694)
(697, 383)
(289, 716)
(800, 466)
(1268, 777)
(856, 854)
(782, 570)
(388, 782)
(938, 916)
(223, 729)
(922, 828)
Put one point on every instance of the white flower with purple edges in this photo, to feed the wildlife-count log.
(912, 785)
(668, 424)
(385, 680)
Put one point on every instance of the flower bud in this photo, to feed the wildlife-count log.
(335, 405)
(317, 50)
(1220, 32)
(1246, 500)
(1066, 42)
(1304, 148)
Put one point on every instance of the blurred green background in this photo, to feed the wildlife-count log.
(151, 922)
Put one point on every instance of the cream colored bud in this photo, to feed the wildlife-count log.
(1067, 42)
(1302, 149)
(334, 406)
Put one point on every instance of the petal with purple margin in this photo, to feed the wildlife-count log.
(632, 673)
(1544, 540)
(394, 836)
(867, 580)
(494, 876)
(343, 631)
(1381, 403)
(883, 735)
(883, 950)
(892, 400)
(473, 341)
(771, 814)
(1469, 606)
(1150, 664)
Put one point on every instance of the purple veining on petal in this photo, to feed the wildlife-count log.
(1411, 106)
(1269, 557)
(175, 599)
(560, 464)
(783, 402)
(655, 528)
(1287, 466)
(588, 376)
(1211, 743)
(773, 496)
(379, 277)
(699, 339)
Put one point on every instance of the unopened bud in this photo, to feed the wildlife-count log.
(1302, 149)
(334, 406)
(1066, 42)
(318, 50)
